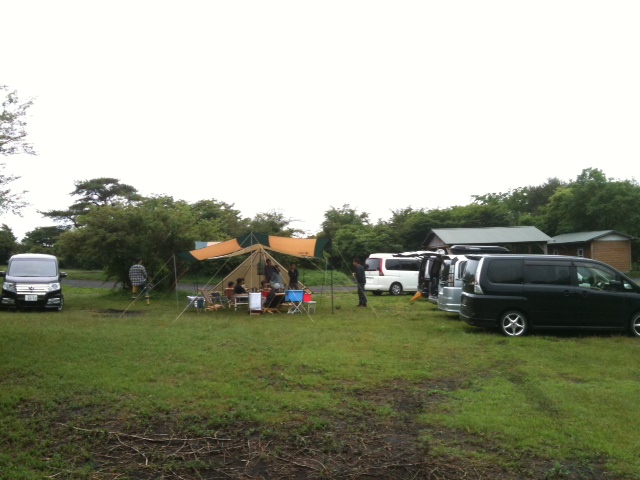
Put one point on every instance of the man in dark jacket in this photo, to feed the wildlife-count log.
(434, 276)
(269, 270)
(293, 277)
(361, 280)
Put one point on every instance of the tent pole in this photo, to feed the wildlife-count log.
(325, 270)
(175, 278)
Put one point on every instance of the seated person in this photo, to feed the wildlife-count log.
(229, 292)
(266, 289)
(239, 288)
(273, 300)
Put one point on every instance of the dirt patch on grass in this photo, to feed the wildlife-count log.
(358, 443)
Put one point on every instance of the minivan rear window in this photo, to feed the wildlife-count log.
(505, 270)
(542, 274)
(372, 264)
(403, 264)
(470, 270)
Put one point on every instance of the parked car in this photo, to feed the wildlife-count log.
(452, 271)
(32, 280)
(519, 293)
(395, 273)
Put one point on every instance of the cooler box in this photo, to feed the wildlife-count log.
(196, 302)
(293, 296)
(306, 297)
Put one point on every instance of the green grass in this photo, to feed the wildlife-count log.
(71, 379)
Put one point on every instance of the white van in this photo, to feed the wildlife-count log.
(395, 273)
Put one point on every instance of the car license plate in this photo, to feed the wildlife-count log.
(31, 298)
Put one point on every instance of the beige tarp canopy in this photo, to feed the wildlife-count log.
(255, 244)
(252, 270)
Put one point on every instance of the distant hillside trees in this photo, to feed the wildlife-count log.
(109, 224)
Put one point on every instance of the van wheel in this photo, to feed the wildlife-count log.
(634, 325)
(514, 324)
(395, 289)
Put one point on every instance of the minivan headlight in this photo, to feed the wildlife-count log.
(9, 286)
(53, 287)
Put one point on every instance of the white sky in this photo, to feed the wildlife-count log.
(298, 106)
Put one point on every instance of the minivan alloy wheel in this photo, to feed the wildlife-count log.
(396, 289)
(634, 325)
(513, 324)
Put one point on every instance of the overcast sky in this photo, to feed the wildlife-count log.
(298, 106)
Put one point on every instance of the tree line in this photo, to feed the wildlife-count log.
(108, 223)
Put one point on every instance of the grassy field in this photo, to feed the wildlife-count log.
(106, 390)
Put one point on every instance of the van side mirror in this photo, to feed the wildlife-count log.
(3, 274)
(63, 274)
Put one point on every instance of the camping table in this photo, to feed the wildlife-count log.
(241, 299)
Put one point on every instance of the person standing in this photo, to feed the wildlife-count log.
(361, 280)
(269, 270)
(138, 279)
(276, 281)
(293, 277)
(434, 276)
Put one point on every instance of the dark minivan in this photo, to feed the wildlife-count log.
(517, 293)
(32, 280)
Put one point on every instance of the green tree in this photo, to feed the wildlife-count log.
(13, 131)
(7, 244)
(532, 199)
(336, 218)
(358, 241)
(154, 229)
(225, 218)
(593, 202)
(272, 223)
(97, 192)
(401, 227)
(417, 224)
(13, 140)
(42, 239)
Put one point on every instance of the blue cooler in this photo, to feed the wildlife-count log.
(294, 296)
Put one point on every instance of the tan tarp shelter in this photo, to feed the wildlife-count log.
(252, 270)
(256, 245)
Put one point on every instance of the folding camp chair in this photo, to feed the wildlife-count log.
(213, 300)
(273, 302)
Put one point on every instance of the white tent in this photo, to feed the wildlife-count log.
(252, 269)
